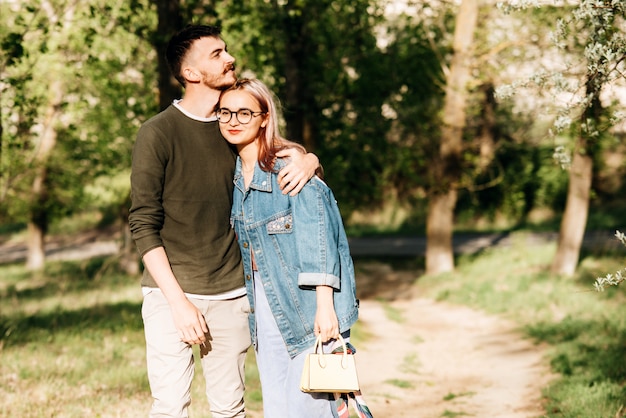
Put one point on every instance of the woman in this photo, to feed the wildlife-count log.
(299, 274)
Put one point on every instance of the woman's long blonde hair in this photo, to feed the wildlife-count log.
(269, 138)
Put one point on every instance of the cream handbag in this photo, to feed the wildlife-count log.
(329, 372)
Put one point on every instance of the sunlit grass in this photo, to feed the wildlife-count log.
(403, 384)
(454, 414)
(392, 313)
(452, 396)
(585, 330)
(72, 345)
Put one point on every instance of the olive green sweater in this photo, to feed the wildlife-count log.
(181, 191)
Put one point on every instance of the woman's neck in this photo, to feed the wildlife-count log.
(248, 155)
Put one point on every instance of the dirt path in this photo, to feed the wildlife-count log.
(441, 359)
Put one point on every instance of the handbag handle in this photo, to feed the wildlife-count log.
(322, 361)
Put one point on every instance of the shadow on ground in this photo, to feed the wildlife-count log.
(386, 278)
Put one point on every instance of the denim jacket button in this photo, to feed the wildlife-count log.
(245, 245)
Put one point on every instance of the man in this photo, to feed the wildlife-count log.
(181, 190)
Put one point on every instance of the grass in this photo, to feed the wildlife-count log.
(585, 330)
(392, 313)
(71, 338)
(451, 414)
(452, 396)
(72, 345)
(403, 384)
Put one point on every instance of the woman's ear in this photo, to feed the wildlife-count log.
(266, 120)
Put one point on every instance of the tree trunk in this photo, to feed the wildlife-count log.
(38, 217)
(36, 255)
(439, 250)
(293, 109)
(295, 100)
(38, 220)
(487, 143)
(446, 171)
(574, 220)
(170, 22)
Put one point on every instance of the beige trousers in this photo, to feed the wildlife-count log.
(171, 363)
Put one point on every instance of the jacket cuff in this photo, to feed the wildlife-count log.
(319, 279)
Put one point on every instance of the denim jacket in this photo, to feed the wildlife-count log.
(299, 243)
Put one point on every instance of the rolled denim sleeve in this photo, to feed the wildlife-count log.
(317, 234)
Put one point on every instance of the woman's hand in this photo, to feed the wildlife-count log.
(326, 323)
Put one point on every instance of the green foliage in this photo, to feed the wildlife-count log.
(414, 102)
(322, 60)
(359, 88)
(90, 54)
(589, 38)
(612, 279)
(528, 179)
(363, 89)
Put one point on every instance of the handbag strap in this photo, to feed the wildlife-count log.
(318, 346)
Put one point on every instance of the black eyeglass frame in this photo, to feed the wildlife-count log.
(220, 115)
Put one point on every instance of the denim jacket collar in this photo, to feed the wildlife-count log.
(261, 180)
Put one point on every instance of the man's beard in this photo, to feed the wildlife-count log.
(220, 82)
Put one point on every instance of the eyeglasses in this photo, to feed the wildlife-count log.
(243, 115)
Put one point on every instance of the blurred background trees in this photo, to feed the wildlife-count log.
(367, 85)
(594, 34)
(73, 95)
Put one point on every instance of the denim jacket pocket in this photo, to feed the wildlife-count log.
(281, 225)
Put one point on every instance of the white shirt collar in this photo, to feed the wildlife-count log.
(176, 104)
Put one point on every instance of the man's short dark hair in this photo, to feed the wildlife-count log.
(181, 42)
